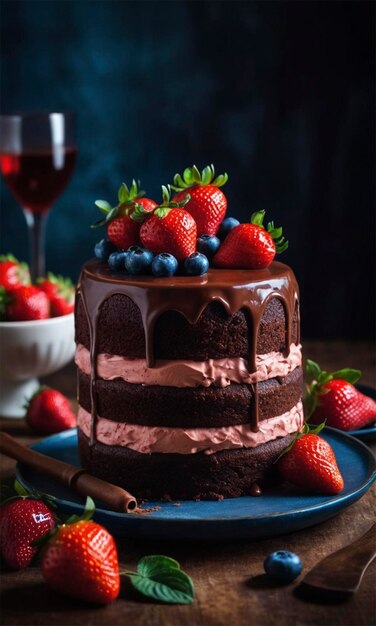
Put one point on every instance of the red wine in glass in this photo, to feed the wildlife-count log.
(37, 177)
(37, 158)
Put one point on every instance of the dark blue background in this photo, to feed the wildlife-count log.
(280, 95)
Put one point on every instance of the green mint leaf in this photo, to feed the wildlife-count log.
(168, 584)
(347, 374)
(148, 565)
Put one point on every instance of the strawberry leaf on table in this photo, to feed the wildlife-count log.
(160, 577)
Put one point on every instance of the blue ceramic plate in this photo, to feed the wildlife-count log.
(282, 510)
(368, 433)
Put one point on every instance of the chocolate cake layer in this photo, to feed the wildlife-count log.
(215, 335)
(190, 407)
(228, 474)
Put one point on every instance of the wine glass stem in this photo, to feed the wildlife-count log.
(37, 228)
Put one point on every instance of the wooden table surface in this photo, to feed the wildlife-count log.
(230, 585)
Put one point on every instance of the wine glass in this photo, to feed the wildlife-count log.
(37, 157)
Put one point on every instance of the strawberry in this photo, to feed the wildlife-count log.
(207, 203)
(251, 246)
(122, 229)
(310, 462)
(60, 292)
(13, 274)
(80, 560)
(24, 304)
(22, 521)
(48, 411)
(334, 398)
(170, 229)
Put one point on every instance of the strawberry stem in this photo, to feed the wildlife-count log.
(166, 205)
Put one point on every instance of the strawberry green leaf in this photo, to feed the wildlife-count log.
(207, 175)
(123, 193)
(312, 369)
(103, 205)
(196, 176)
(349, 375)
(192, 176)
(220, 180)
(310, 401)
(311, 430)
(5, 299)
(257, 218)
(323, 378)
(20, 489)
(86, 515)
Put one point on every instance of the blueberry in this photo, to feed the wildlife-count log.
(135, 247)
(283, 565)
(208, 245)
(224, 228)
(138, 260)
(116, 260)
(196, 264)
(164, 264)
(103, 249)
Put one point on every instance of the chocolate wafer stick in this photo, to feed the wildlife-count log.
(74, 477)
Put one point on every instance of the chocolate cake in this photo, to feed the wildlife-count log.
(189, 387)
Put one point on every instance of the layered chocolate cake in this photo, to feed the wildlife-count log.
(189, 387)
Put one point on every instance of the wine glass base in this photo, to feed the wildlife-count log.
(14, 395)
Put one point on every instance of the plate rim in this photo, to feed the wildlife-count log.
(331, 502)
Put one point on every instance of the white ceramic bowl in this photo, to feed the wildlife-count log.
(29, 350)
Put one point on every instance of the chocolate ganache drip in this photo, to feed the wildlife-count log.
(189, 295)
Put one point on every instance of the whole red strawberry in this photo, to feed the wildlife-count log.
(311, 463)
(49, 411)
(24, 304)
(207, 203)
(123, 220)
(80, 560)
(22, 521)
(170, 229)
(251, 246)
(61, 293)
(333, 398)
(13, 274)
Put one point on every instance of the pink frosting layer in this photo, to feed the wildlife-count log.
(181, 373)
(147, 439)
